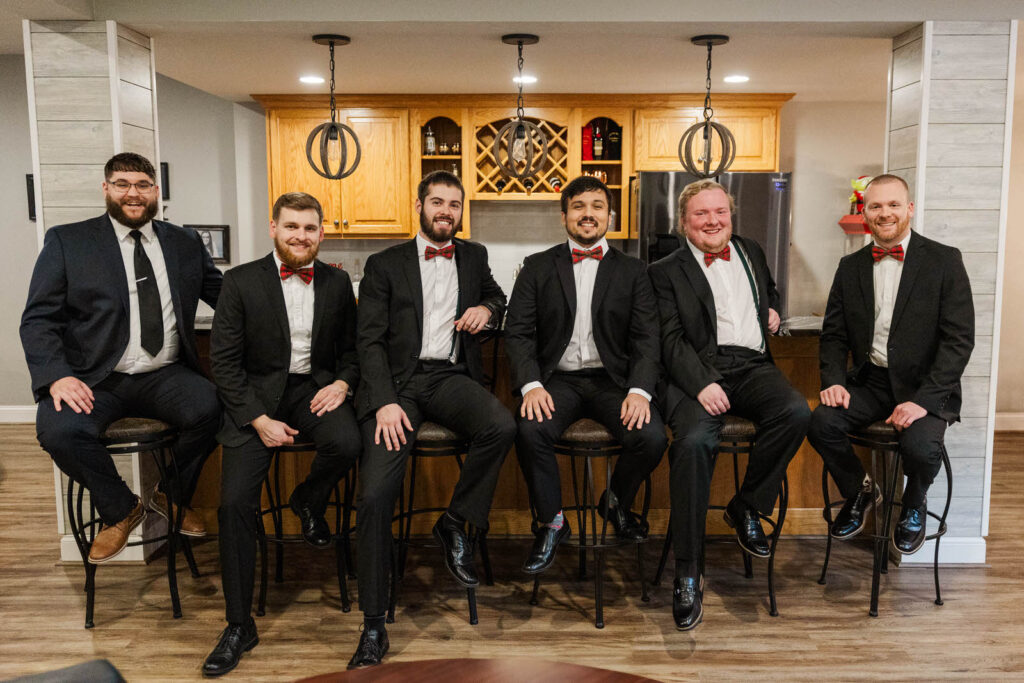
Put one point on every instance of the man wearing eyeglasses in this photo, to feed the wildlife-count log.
(108, 333)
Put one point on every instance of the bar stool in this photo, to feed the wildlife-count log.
(133, 435)
(432, 441)
(341, 501)
(737, 437)
(585, 440)
(883, 439)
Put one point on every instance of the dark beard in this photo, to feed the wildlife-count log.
(427, 226)
(291, 261)
(117, 213)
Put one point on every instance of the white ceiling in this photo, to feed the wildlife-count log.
(818, 49)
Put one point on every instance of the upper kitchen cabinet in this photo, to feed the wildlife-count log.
(606, 153)
(554, 163)
(375, 200)
(754, 122)
(440, 140)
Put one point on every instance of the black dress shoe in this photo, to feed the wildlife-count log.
(373, 645)
(687, 602)
(622, 520)
(747, 524)
(850, 520)
(234, 640)
(314, 527)
(545, 542)
(909, 535)
(458, 551)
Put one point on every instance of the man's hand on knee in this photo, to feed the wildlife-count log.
(74, 392)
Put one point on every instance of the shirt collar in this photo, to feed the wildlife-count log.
(422, 243)
(603, 243)
(903, 242)
(697, 253)
(122, 231)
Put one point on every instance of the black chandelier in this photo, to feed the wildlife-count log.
(707, 128)
(517, 143)
(332, 134)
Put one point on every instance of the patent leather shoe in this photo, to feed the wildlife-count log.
(458, 551)
(909, 534)
(545, 542)
(850, 520)
(687, 602)
(622, 520)
(373, 645)
(234, 640)
(747, 524)
(314, 527)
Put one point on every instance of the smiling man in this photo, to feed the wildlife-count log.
(902, 308)
(421, 305)
(283, 354)
(718, 303)
(582, 340)
(108, 332)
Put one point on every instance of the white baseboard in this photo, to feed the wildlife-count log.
(1010, 422)
(18, 414)
(952, 550)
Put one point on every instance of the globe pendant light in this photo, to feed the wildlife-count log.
(707, 128)
(516, 145)
(332, 138)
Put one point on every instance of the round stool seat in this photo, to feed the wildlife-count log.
(135, 429)
(588, 433)
(877, 431)
(737, 429)
(433, 432)
(300, 445)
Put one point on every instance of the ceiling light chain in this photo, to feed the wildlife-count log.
(520, 111)
(333, 134)
(516, 144)
(708, 127)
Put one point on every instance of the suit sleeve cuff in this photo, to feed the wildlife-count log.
(530, 386)
(639, 392)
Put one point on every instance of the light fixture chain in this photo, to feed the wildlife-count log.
(334, 115)
(708, 111)
(520, 111)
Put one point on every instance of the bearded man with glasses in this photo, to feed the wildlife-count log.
(108, 331)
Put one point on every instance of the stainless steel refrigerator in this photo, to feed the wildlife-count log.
(762, 214)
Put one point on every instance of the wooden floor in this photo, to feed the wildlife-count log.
(822, 633)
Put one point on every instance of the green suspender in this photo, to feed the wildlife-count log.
(753, 290)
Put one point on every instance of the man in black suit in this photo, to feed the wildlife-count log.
(902, 308)
(283, 354)
(421, 303)
(582, 339)
(108, 331)
(718, 305)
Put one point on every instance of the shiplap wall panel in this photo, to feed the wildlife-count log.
(73, 99)
(980, 364)
(77, 54)
(968, 101)
(133, 63)
(965, 230)
(903, 147)
(136, 105)
(906, 106)
(964, 187)
(965, 144)
(59, 215)
(138, 140)
(74, 142)
(970, 56)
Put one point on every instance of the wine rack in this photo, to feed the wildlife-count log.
(548, 181)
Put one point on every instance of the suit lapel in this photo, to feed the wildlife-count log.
(605, 271)
(462, 268)
(321, 284)
(699, 282)
(110, 255)
(411, 266)
(563, 264)
(865, 275)
(911, 267)
(171, 264)
(270, 278)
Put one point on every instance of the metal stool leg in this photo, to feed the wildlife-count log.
(339, 550)
(942, 521)
(776, 532)
(664, 556)
(174, 523)
(827, 513)
(486, 559)
(882, 536)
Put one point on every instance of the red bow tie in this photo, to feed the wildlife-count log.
(306, 274)
(710, 257)
(580, 254)
(445, 252)
(879, 253)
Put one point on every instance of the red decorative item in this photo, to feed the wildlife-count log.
(588, 143)
(853, 224)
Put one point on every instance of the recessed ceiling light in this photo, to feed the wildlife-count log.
(311, 80)
(524, 79)
(736, 78)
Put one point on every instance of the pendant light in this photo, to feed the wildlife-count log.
(708, 128)
(333, 135)
(516, 145)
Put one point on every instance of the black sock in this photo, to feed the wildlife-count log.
(376, 623)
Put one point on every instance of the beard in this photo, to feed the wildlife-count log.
(438, 235)
(116, 212)
(291, 260)
(889, 234)
(582, 239)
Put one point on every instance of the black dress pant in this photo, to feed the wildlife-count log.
(444, 394)
(174, 394)
(593, 394)
(757, 391)
(871, 400)
(336, 437)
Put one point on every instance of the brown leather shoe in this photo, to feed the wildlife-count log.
(191, 523)
(111, 540)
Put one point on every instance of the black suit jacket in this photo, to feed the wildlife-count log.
(542, 312)
(689, 325)
(391, 318)
(250, 348)
(76, 320)
(932, 331)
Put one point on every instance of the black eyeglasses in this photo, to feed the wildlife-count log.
(143, 186)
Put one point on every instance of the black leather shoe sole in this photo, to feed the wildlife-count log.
(740, 540)
(439, 537)
(910, 551)
(220, 672)
(696, 622)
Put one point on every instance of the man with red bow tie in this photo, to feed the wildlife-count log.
(283, 356)
(718, 303)
(902, 308)
(582, 340)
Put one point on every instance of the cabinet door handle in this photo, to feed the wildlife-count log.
(345, 223)
(335, 222)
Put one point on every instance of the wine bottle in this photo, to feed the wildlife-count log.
(429, 142)
(598, 143)
(614, 142)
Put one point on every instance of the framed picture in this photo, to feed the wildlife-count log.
(216, 239)
(165, 181)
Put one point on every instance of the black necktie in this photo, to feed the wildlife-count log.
(151, 317)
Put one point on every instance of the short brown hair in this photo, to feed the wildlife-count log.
(299, 201)
(578, 186)
(888, 178)
(695, 188)
(440, 177)
(129, 162)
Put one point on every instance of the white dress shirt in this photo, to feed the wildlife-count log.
(439, 279)
(738, 323)
(886, 274)
(135, 359)
(581, 354)
(298, 303)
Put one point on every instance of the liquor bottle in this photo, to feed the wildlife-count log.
(429, 142)
(556, 184)
(455, 170)
(598, 143)
(614, 142)
(588, 143)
